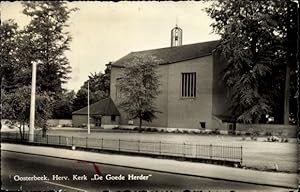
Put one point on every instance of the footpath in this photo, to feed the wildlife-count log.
(287, 180)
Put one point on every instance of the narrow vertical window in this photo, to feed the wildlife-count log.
(194, 85)
(185, 84)
(182, 83)
(188, 84)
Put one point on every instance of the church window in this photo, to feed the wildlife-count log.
(188, 84)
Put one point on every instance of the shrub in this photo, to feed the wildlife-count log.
(177, 131)
(268, 133)
(153, 130)
(273, 139)
(255, 133)
(216, 131)
(247, 133)
(161, 130)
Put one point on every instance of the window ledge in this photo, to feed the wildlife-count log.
(188, 98)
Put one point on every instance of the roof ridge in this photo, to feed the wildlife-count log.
(176, 47)
(172, 54)
(91, 104)
(103, 106)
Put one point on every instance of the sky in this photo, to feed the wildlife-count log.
(106, 31)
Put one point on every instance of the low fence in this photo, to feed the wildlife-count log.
(185, 150)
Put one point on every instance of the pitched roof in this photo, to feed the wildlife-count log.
(172, 54)
(105, 107)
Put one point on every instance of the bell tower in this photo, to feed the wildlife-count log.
(176, 36)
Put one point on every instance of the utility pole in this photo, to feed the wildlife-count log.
(32, 103)
(1, 112)
(88, 124)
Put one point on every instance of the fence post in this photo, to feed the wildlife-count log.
(119, 144)
(160, 147)
(101, 143)
(47, 139)
(72, 140)
(241, 155)
(86, 142)
(139, 145)
(210, 151)
(183, 149)
(59, 139)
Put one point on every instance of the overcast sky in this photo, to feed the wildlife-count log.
(106, 31)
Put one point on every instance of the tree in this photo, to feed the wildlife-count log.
(139, 87)
(16, 108)
(8, 35)
(43, 41)
(62, 108)
(99, 88)
(48, 42)
(292, 44)
(254, 42)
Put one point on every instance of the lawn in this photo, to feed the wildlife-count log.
(256, 154)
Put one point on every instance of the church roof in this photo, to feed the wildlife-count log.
(170, 55)
(105, 107)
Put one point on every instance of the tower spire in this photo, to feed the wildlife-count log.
(176, 35)
(176, 21)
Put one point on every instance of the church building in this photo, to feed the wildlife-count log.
(191, 91)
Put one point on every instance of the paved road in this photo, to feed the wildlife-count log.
(17, 166)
